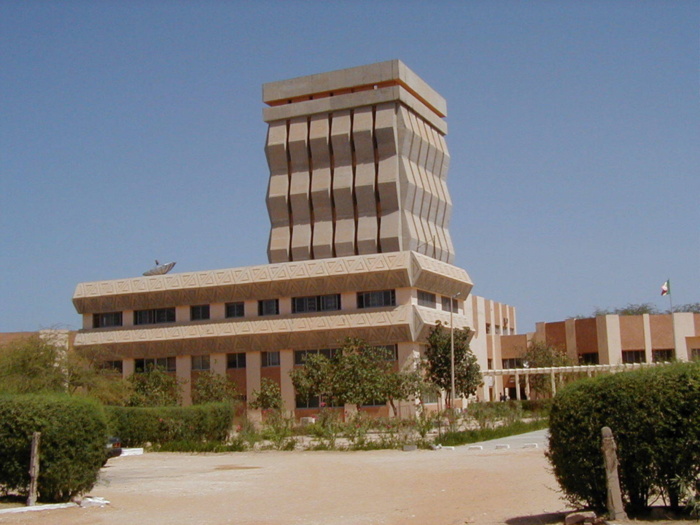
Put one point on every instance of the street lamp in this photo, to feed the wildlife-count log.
(452, 347)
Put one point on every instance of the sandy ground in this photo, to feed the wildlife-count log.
(449, 487)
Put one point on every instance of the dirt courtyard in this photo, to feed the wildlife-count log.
(448, 487)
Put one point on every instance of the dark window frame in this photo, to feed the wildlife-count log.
(235, 309)
(238, 359)
(107, 319)
(154, 316)
(270, 359)
(200, 312)
(268, 307)
(376, 299)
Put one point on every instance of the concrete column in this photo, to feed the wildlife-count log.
(609, 340)
(128, 368)
(527, 385)
(182, 314)
(554, 383)
(648, 354)
(517, 386)
(252, 379)
(571, 348)
(183, 372)
(87, 321)
(348, 300)
(285, 304)
(683, 326)
(286, 386)
(217, 311)
(128, 318)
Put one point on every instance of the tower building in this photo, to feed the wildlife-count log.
(358, 165)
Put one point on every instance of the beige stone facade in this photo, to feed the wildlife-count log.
(359, 247)
(358, 165)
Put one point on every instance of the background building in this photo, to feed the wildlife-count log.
(610, 340)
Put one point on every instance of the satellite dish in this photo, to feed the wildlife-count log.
(159, 269)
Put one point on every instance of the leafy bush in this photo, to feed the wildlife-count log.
(72, 448)
(211, 387)
(655, 417)
(158, 425)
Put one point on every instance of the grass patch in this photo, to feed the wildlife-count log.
(201, 446)
(474, 436)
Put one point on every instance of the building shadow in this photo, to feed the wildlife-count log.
(538, 519)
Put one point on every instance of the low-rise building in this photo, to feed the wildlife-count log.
(359, 247)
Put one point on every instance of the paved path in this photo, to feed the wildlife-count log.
(538, 437)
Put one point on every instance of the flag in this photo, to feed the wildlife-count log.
(666, 288)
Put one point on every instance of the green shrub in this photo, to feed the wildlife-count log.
(158, 425)
(72, 447)
(655, 417)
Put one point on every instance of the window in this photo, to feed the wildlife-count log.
(269, 307)
(270, 359)
(199, 312)
(634, 356)
(106, 320)
(300, 355)
(166, 363)
(155, 316)
(235, 309)
(590, 358)
(498, 330)
(695, 354)
(488, 328)
(489, 364)
(314, 402)
(376, 299)
(392, 352)
(112, 366)
(317, 303)
(446, 305)
(514, 362)
(375, 403)
(200, 362)
(662, 356)
(427, 299)
(236, 360)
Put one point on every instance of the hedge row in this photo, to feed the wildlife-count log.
(655, 417)
(157, 425)
(72, 447)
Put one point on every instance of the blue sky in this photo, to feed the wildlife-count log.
(131, 131)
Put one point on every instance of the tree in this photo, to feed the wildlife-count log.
(438, 363)
(211, 387)
(33, 365)
(542, 355)
(269, 397)
(358, 374)
(42, 363)
(154, 387)
(691, 307)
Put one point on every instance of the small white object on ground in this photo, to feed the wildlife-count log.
(502, 446)
(132, 451)
(90, 501)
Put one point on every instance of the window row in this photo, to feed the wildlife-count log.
(233, 361)
(310, 304)
(429, 300)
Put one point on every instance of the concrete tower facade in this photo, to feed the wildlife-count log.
(358, 165)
